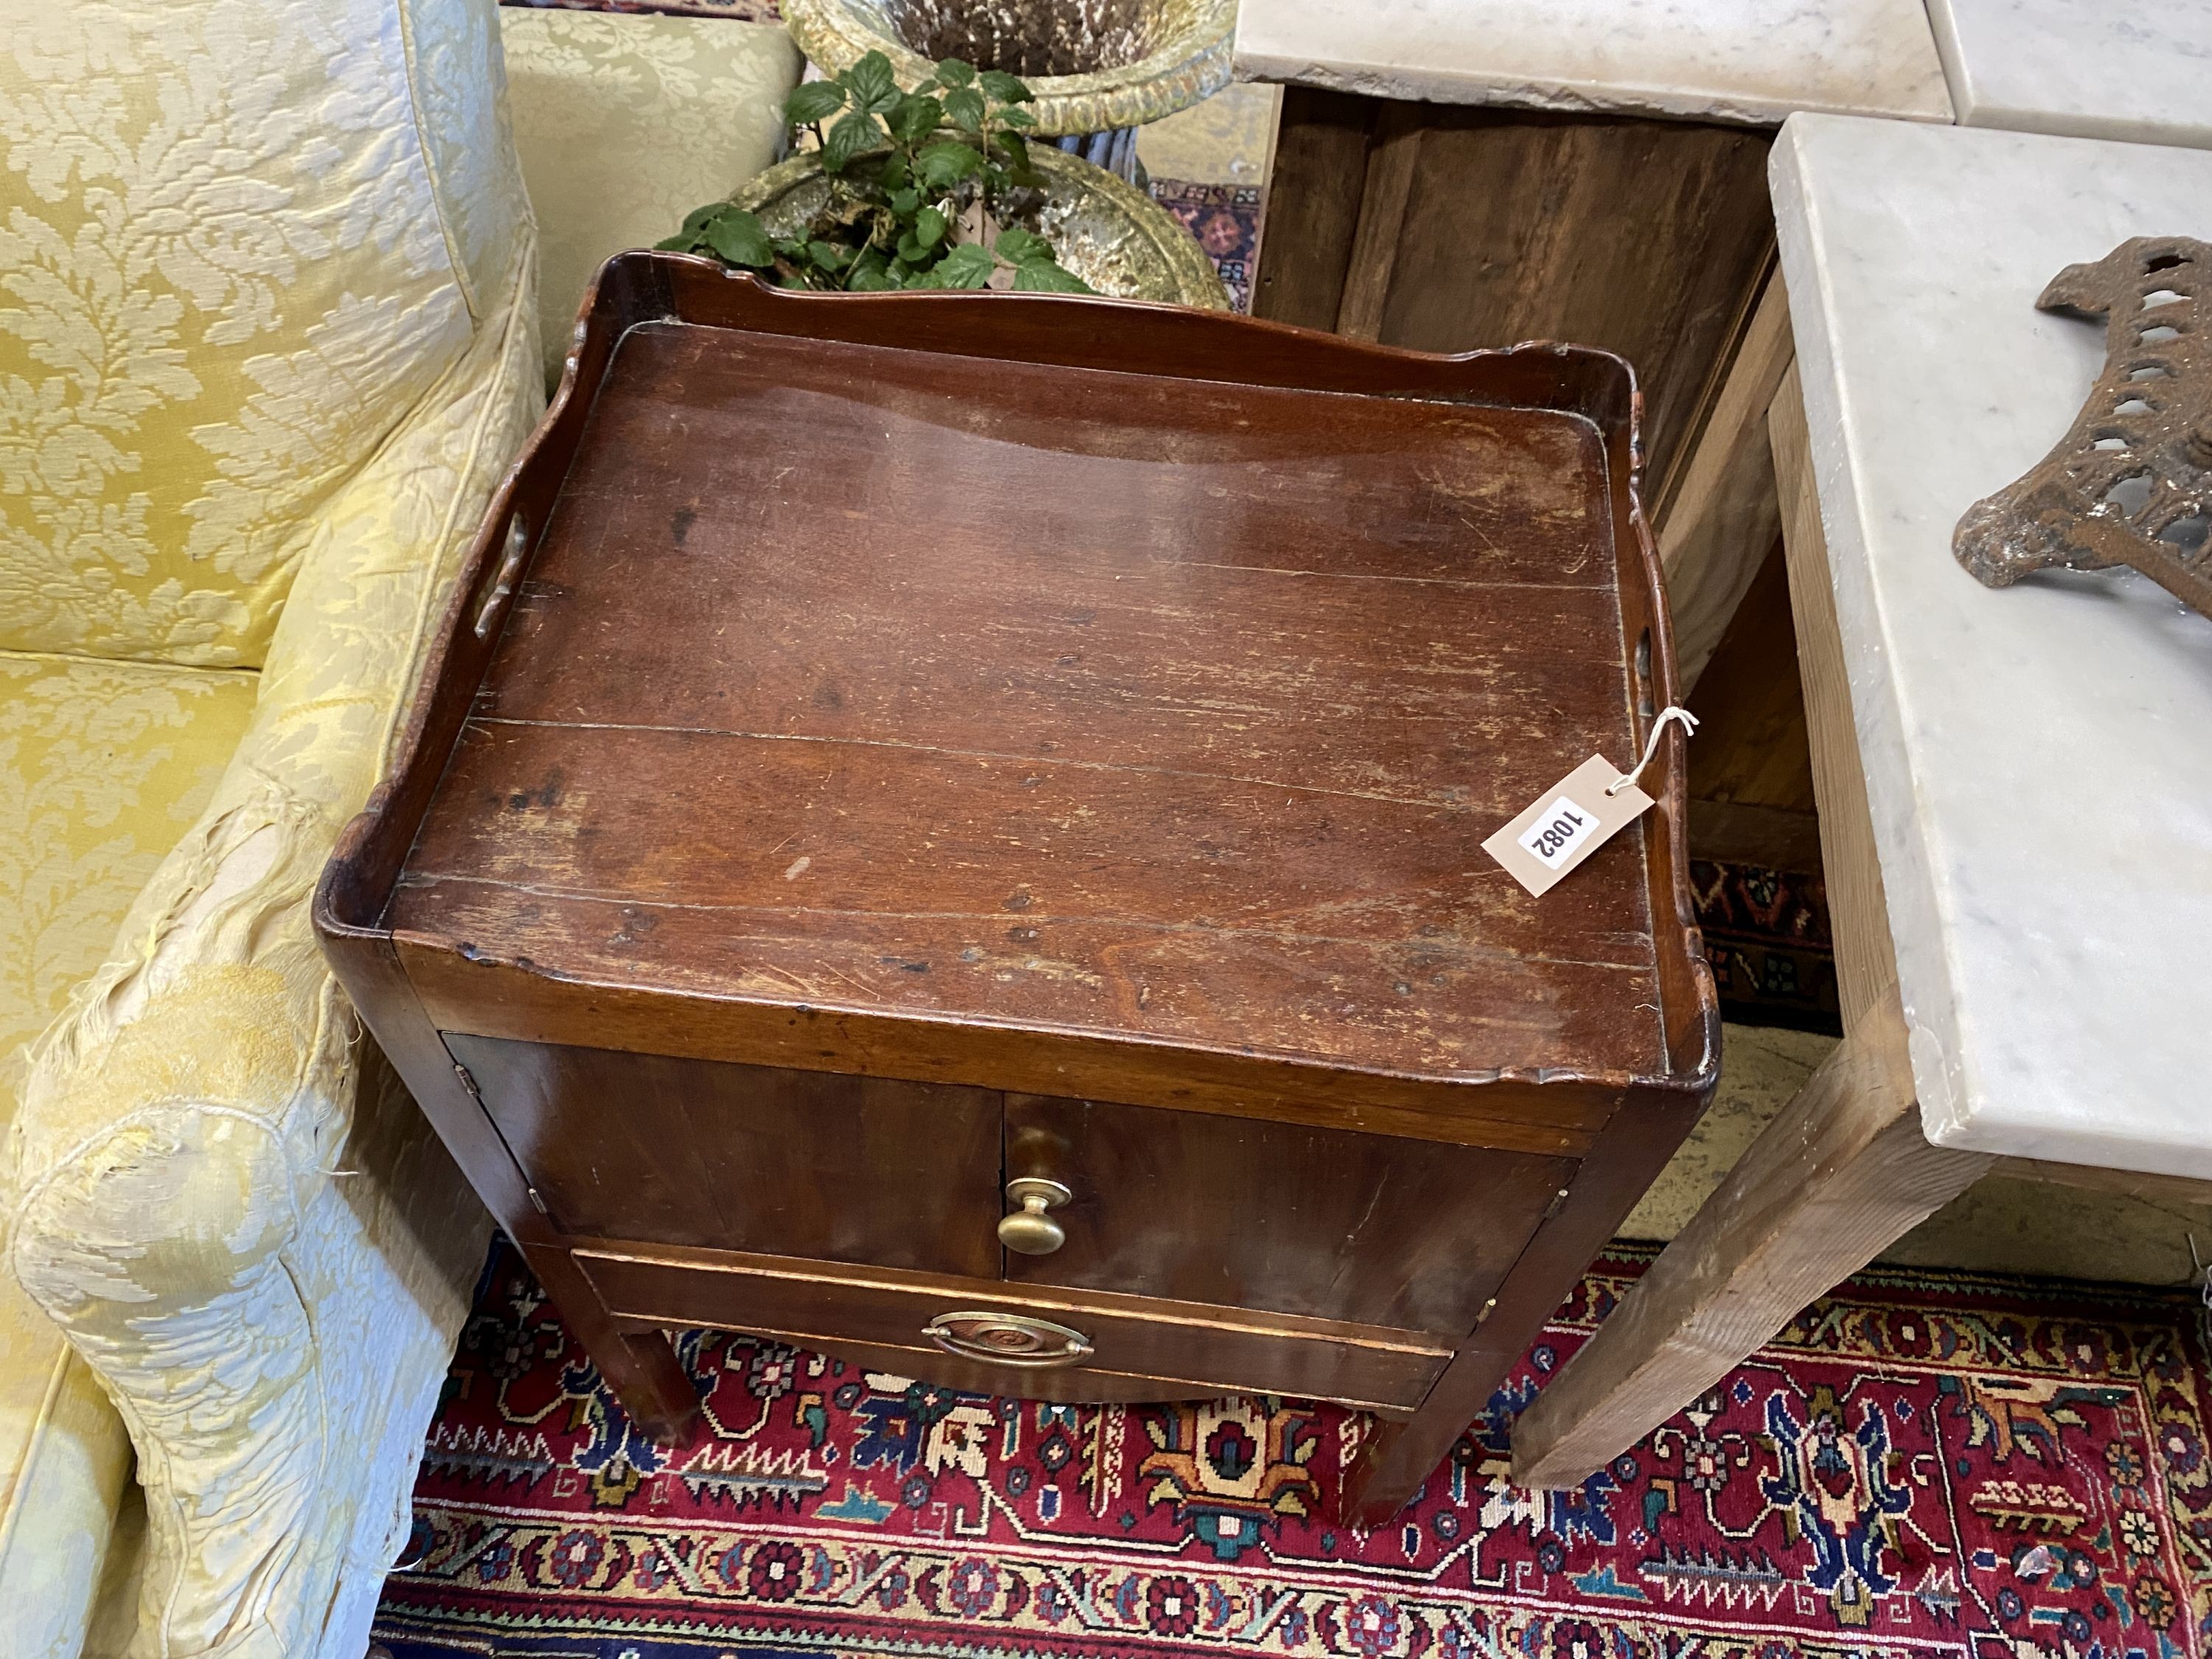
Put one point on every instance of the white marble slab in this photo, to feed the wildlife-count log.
(1726, 60)
(2038, 758)
(2138, 70)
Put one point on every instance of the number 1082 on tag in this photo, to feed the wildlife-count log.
(1559, 830)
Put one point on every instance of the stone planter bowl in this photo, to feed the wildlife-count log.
(1111, 234)
(1093, 64)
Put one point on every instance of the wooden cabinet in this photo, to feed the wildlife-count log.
(907, 776)
(747, 1158)
(1282, 1217)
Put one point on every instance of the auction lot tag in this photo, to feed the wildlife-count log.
(1569, 822)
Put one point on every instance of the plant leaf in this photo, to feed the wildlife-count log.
(737, 237)
(830, 255)
(1016, 246)
(856, 132)
(699, 215)
(1019, 167)
(912, 119)
(911, 250)
(1015, 118)
(681, 242)
(967, 266)
(874, 87)
(944, 165)
(870, 274)
(1004, 87)
(965, 107)
(929, 226)
(810, 100)
(904, 202)
(954, 73)
(1045, 277)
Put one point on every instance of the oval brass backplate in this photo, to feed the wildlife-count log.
(1008, 1338)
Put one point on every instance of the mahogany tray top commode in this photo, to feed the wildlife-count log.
(946, 829)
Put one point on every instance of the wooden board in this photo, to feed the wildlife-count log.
(1481, 227)
(1312, 205)
(1720, 517)
(1278, 1217)
(1146, 1348)
(1139, 710)
(748, 1158)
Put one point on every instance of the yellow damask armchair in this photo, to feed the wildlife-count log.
(268, 336)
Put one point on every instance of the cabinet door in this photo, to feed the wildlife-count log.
(1368, 1229)
(749, 1158)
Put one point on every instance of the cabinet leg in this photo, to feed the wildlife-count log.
(1401, 1456)
(639, 1366)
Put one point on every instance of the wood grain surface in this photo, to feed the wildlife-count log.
(1147, 1348)
(855, 708)
(744, 1157)
(1451, 228)
(1722, 516)
(1364, 1229)
(1076, 700)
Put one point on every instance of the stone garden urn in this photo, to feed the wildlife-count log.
(1094, 65)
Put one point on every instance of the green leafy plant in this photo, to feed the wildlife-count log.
(914, 177)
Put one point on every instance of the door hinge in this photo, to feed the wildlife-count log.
(468, 1083)
(539, 1201)
(1559, 1202)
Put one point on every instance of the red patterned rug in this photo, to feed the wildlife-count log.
(1921, 1465)
(1766, 935)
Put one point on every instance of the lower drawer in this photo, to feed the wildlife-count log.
(1035, 1344)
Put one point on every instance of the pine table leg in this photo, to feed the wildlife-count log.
(1839, 1175)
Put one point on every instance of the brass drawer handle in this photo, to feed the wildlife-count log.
(1030, 1230)
(1008, 1338)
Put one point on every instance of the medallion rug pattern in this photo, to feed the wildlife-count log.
(1921, 1465)
(1766, 935)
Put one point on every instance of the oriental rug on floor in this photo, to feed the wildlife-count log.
(1921, 1465)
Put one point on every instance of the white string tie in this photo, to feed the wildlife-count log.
(1671, 712)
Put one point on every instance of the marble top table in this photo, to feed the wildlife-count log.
(1752, 61)
(2137, 69)
(2038, 759)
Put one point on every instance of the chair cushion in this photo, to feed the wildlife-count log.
(103, 767)
(625, 123)
(240, 239)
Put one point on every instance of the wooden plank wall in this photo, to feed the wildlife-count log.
(1449, 227)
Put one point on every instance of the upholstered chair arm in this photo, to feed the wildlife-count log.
(262, 1258)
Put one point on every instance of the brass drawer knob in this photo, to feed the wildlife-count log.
(1030, 1230)
(1008, 1338)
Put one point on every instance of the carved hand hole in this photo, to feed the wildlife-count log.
(504, 578)
(2147, 372)
(2161, 296)
(2129, 496)
(2164, 261)
(2154, 336)
(2188, 534)
(2134, 406)
(2109, 443)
